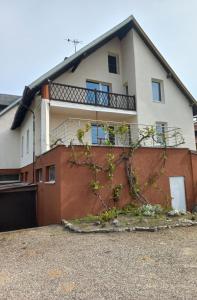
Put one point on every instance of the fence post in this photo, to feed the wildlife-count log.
(95, 94)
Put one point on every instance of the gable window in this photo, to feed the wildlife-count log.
(27, 141)
(102, 97)
(113, 63)
(161, 128)
(50, 174)
(156, 91)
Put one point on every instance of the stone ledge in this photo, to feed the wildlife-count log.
(70, 227)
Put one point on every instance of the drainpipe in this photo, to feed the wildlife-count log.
(33, 115)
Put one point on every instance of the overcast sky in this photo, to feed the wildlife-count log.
(33, 34)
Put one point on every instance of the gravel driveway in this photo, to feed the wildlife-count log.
(50, 263)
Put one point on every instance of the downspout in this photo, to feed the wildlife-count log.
(33, 115)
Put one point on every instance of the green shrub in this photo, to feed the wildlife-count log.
(109, 215)
(149, 210)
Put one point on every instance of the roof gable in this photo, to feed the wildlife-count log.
(118, 31)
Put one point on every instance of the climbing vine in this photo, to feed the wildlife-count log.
(85, 158)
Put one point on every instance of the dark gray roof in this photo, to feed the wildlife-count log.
(118, 31)
(6, 99)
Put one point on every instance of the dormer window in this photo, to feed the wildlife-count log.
(113, 63)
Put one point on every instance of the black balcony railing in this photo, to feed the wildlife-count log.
(80, 95)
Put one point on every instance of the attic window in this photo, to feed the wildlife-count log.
(113, 63)
(157, 90)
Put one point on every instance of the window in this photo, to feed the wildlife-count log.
(113, 64)
(161, 128)
(156, 91)
(100, 137)
(27, 141)
(4, 178)
(22, 146)
(99, 98)
(51, 174)
(39, 175)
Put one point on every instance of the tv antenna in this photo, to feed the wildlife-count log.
(75, 42)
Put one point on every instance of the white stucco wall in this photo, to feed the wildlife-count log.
(128, 63)
(9, 142)
(137, 67)
(27, 124)
(175, 110)
(95, 67)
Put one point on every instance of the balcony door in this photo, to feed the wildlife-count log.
(99, 95)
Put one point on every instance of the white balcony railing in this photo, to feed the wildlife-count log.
(66, 134)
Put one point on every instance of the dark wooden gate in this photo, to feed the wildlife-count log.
(17, 210)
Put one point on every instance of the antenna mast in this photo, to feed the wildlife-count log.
(75, 42)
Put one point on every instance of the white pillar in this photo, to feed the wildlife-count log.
(45, 135)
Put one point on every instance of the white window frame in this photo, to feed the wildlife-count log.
(161, 90)
(39, 175)
(50, 180)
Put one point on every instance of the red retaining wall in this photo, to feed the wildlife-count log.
(70, 196)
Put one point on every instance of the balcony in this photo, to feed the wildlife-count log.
(78, 95)
(66, 134)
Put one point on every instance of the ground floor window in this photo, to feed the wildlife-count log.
(38, 175)
(9, 178)
(51, 176)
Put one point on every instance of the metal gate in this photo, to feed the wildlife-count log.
(17, 209)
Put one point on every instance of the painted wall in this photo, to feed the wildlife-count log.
(27, 125)
(95, 67)
(128, 63)
(9, 142)
(70, 197)
(175, 110)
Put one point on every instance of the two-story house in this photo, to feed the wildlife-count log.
(119, 77)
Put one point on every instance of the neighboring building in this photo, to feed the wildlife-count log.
(119, 77)
(6, 100)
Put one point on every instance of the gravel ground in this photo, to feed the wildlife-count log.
(50, 263)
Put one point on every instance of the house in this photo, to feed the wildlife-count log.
(6, 100)
(119, 77)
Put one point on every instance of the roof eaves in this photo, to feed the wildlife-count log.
(84, 52)
(163, 61)
(13, 104)
(81, 53)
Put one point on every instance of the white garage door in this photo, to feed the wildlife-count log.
(177, 189)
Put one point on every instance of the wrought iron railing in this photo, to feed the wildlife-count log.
(74, 94)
